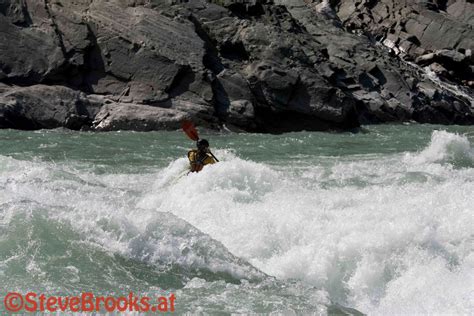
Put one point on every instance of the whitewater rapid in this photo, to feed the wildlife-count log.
(385, 233)
(386, 236)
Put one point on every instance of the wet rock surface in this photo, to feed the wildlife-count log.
(266, 66)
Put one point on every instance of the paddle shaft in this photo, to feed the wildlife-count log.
(217, 160)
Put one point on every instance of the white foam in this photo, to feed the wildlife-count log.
(103, 210)
(446, 147)
(362, 230)
(386, 234)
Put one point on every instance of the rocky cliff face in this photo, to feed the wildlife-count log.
(269, 66)
(436, 33)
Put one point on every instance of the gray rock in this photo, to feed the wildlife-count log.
(42, 106)
(415, 29)
(428, 90)
(430, 26)
(16, 12)
(256, 65)
(146, 54)
(452, 55)
(275, 83)
(21, 58)
(138, 117)
(439, 70)
(425, 59)
(241, 113)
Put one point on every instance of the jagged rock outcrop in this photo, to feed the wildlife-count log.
(386, 88)
(259, 65)
(416, 28)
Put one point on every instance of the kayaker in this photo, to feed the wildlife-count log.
(201, 156)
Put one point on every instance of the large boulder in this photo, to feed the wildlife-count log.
(22, 60)
(145, 55)
(138, 117)
(43, 106)
(141, 117)
(272, 59)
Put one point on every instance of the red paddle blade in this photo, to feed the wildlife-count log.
(190, 130)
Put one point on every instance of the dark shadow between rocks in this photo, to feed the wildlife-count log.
(234, 51)
(210, 59)
(94, 66)
(166, 104)
(221, 100)
(278, 122)
(377, 73)
(246, 11)
(181, 82)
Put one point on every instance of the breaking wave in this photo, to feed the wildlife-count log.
(383, 233)
(449, 148)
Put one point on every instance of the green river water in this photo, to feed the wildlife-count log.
(380, 221)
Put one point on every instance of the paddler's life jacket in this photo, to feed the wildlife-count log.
(199, 159)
